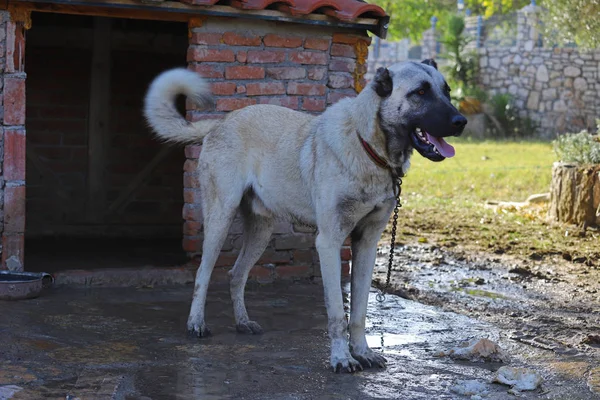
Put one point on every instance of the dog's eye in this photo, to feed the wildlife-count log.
(421, 92)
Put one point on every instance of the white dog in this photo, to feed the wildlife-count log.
(334, 171)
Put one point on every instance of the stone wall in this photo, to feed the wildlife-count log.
(557, 88)
(302, 68)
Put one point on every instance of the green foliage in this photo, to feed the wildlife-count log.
(462, 66)
(506, 120)
(581, 148)
(410, 18)
(573, 21)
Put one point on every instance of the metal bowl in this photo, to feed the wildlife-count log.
(22, 285)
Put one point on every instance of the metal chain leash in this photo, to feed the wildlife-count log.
(381, 295)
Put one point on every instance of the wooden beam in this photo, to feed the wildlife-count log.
(138, 180)
(99, 114)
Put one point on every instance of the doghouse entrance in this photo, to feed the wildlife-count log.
(101, 191)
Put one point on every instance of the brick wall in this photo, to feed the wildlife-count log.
(304, 69)
(12, 183)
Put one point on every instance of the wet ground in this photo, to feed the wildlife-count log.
(130, 343)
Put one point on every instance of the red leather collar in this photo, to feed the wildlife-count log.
(380, 162)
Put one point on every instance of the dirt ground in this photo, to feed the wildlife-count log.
(549, 306)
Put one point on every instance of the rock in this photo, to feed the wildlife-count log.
(560, 106)
(580, 84)
(518, 378)
(7, 392)
(477, 350)
(572, 71)
(470, 388)
(495, 62)
(533, 101)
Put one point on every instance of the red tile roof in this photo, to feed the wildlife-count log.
(342, 10)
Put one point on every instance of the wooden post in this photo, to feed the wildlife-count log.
(99, 115)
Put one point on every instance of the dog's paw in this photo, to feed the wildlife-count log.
(198, 330)
(250, 327)
(370, 359)
(345, 364)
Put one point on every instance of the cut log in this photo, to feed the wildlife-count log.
(575, 194)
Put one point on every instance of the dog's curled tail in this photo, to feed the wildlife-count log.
(160, 111)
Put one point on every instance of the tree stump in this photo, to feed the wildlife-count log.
(575, 194)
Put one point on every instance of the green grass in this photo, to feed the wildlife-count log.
(444, 202)
(480, 171)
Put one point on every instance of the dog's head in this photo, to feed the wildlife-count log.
(416, 111)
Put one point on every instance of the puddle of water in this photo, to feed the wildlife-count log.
(384, 340)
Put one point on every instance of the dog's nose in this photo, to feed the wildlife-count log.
(458, 121)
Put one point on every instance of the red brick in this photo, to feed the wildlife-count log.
(192, 244)
(207, 38)
(226, 260)
(345, 269)
(192, 212)
(223, 88)
(259, 271)
(241, 56)
(313, 104)
(236, 39)
(288, 101)
(15, 47)
(263, 56)
(190, 166)
(272, 40)
(342, 65)
(192, 228)
(303, 256)
(14, 101)
(346, 254)
(234, 103)
(190, 181)
(293, 271)
(265, 88)
(286, 73)
(274, 257)
(346, 38)
(13, 245)
(342, 50)
(306, 89)
(191, 196)
(317, 44)
(334, 97)
(309, 57)
(317, 73)
(340, 80)
(244, 72)
(207, 71)
(348, 241)
(193, 150)
(14, 154)
(241, 89)
(202, 54)
(14, 209)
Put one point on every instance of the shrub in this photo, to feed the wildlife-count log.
(507, 122)
(581, 148)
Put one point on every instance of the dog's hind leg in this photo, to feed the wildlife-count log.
(257, 232)
(219, 212)
(365, 236)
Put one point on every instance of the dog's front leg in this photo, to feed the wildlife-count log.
(364, 251)
(328, 246)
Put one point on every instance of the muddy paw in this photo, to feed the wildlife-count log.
(198, 330)
(347, 364)
(250, 327)
(370, 359)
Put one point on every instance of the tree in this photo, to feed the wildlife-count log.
(573, 21)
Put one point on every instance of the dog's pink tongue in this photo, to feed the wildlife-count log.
(442, 146)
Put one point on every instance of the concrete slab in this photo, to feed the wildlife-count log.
(130, 343)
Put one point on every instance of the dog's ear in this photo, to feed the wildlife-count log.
(383, 82)
(430, 62)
